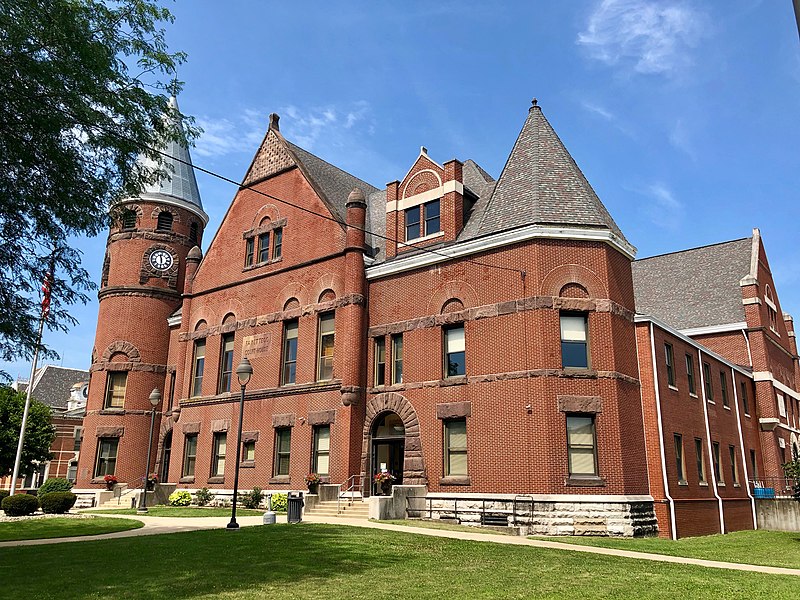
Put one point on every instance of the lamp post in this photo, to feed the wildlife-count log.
(244, 371)
(155, 400)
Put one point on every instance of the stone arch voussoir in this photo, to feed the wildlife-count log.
(120, 346)
(454, 289)
(562, 275)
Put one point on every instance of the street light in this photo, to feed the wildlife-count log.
(155, 400)
(244, 371)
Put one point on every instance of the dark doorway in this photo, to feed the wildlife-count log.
(166, 454)
(388, 447)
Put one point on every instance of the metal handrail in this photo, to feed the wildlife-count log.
(354, 483)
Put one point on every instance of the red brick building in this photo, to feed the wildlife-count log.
(476, 338)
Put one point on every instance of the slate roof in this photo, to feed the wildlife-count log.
(52, 384)
(696, 287)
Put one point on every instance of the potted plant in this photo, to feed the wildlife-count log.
(312, 481)
(111, 481)
(152, 480)
(384, 481)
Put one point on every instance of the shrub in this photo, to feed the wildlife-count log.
(203, 496)
(57, 502)
(252, 499)
(3, 494)
(20, 505)
(54, 484)
(180, 498)
(280, 502)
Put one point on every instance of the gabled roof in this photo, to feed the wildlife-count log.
(694, 288)
(52, 384)
(542, 184)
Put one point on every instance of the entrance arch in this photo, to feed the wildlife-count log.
(385, 415)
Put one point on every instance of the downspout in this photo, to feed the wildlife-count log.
(673, 524)
(747, 343)
(741, 445)
(710, 448)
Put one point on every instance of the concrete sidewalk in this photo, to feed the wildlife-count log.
(159, 525)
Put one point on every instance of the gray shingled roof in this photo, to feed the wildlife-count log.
(52, 384)
(542, 184)
(694, 288)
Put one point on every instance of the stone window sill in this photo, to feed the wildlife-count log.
(189, 479)
(737, 485)
(585, 481)
(280, 479)
(673, 388)
(455, 480)
(412, 242)
(711, 401)
(703, 484)
(693, 395)
(720, 484)
(112, 411)
(456, 380)
(216, 479)
(726, 407)
(683, 482)
(247, 464)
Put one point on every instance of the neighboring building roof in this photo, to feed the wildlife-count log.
(694, 288)
(52, 385)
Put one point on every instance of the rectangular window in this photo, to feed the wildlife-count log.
(189, 455)
(679, 459)
(753, 464)
(574, 341)
(225, 363)
(723, 384)
(745, 403)
(325, 345)
(172, 378)
(670, 364)
(455, 447)
(77, 435)
(277, 245)
(249, 450)
(198, 366)
(283, 442)
(289, 369)
(707, 381)
(218, 456)
(781, 405)
(72, 472)
(397, 358)
(701, 460)
(581, 443)
(454, 351)
(115, 389)
(734, 465)
(263, 247)
(432, 223)
(412, 223)
(717, 471)
(690, 373)
(320, 463)
(380, 361)
(249, 249)
(106, 456)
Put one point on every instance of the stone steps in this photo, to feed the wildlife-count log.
(351, 510)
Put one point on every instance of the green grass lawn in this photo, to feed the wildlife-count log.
(448, 526)
(180, 511)
(771, 548)
(37, 529)
(334, 561)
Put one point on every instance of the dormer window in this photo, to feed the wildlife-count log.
(164, 222)
(422, 220)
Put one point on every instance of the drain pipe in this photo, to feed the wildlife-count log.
(710, 447)
(741, 445)
(673, 524)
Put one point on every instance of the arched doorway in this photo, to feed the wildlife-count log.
(166, 454)
(388, 447)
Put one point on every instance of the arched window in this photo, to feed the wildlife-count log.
(164, 222)
(128, 218)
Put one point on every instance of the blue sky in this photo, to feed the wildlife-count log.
(684, 115)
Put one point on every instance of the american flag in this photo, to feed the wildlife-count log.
(47, 286)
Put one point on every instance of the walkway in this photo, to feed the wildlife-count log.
(157, 525)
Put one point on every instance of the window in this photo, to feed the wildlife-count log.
(249, 249)
(723, 384)
(707, 382)
(380, 361)
(717, 472)
(263, 247)
(753, 464)
(194, 236)
(115, 389)
(106, 456)
(325, 347)
(249, 450)
(574, 346)
(690, 373)
(283, 441)
(745, 403)
(164, 221)
(455, 447)
(701, 460)
(171, 402)
(225, 363)
(679, 459)
(77, 435)
(454, 351)
(397, 358)
(277, 245)
(218, 456)
(734, 465)
(288, 372)
(189, 454)
(430, 224)
(129, 219)
(781, 404)
(321, 458)
(72, 472)
(772, 310)
(198, 366)
(581, 444)
(670, 364)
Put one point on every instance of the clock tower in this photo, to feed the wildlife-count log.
(140, 287)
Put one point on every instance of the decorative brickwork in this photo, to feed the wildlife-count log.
(413, 460)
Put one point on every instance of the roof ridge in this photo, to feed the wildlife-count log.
(692, 249)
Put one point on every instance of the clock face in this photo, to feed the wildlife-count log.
(161, 260)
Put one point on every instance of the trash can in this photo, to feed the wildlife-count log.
(294, 510)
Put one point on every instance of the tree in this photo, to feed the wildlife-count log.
(39, 432)
(82, 87)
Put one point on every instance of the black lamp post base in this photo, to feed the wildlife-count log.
(232, 526)
(142, 510)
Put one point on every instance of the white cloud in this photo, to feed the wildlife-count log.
(608, 116)
(665, 210)
(681, 139)
(649, 36)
